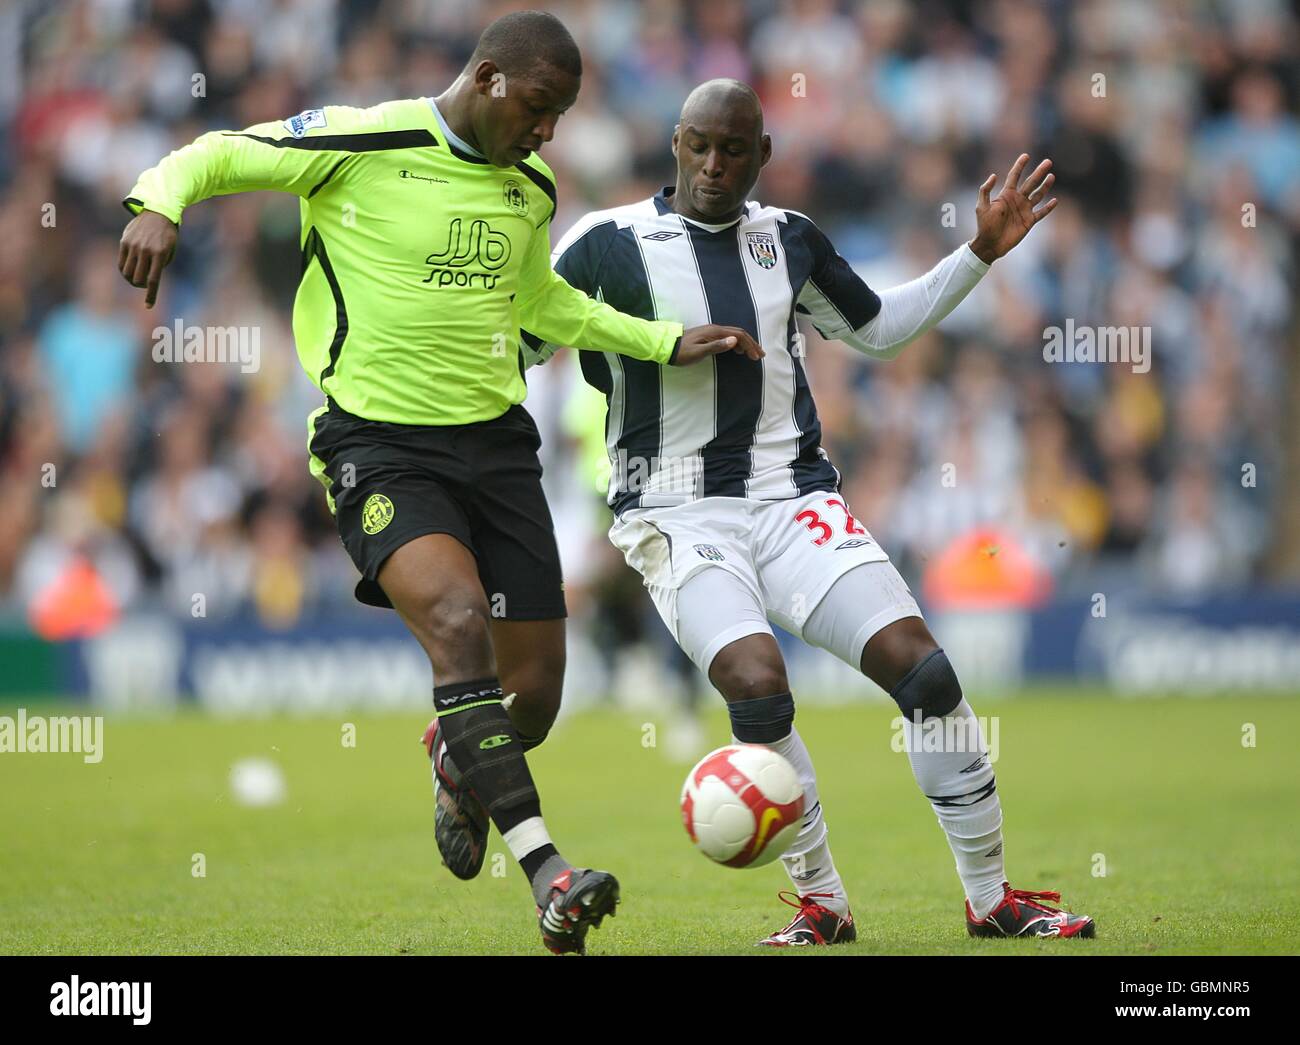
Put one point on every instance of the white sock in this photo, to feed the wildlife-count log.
(526, 836)
(808, 860)
(950, 763)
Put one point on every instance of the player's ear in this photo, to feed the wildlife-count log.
(677, 130)
(486, 75)
(764, 150)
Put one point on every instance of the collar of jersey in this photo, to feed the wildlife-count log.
(663, 206)
(455, 144)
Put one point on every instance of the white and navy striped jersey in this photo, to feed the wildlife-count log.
(730, 426)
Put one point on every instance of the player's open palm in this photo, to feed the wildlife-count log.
(148, 246)
(711, 339)
(1006, 219)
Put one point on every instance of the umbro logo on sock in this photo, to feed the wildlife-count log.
(977, 764)
(806, 875)
(995, 851)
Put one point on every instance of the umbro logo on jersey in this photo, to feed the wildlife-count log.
(854, 542)
(659, 237)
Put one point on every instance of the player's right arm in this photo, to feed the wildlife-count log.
(264, 156)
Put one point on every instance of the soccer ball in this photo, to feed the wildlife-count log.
(742, 805)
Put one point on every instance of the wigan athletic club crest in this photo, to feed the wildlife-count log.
(762, 248)
(516, 198)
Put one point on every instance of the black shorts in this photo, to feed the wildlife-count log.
(481, 483)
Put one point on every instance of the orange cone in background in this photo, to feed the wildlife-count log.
(76, 605)
(985, 569)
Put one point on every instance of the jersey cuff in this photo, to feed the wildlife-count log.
(973, 261)
(672, 357)
(137, 206)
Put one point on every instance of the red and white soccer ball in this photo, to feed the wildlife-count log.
(742, 805)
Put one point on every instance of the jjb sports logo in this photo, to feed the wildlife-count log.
(299, 125)
(762, 248)
(478, 247)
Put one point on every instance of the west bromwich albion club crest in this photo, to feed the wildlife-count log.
(708, 551)
(762, 248)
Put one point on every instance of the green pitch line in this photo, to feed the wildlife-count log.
(1193, 829)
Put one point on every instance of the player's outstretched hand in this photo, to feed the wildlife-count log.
(710, 340)
(148, 246)
(1006, 219)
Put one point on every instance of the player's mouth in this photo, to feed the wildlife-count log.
(711, 194)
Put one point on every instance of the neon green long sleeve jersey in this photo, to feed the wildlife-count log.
(420, 262)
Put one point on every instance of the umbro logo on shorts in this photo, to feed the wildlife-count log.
(852, 543)
(659, 237)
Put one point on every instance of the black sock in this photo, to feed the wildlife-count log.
(486, 749)
(532, 863)
(763, 720)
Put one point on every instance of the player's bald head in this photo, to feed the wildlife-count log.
(724, 103)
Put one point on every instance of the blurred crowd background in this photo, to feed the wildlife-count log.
(1174, 133)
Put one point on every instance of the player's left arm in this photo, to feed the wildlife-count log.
(552, 311)
(903, 313)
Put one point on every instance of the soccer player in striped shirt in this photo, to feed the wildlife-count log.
(730, 509)
(425, 246)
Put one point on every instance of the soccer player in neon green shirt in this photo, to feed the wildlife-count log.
(425, 248)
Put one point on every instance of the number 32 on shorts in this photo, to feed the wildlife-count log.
(814, 523)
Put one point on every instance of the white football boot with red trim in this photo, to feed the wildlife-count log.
(1023, 913)
(814, 925)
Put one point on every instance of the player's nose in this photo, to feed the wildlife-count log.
(545, 128)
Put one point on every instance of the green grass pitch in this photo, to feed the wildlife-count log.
(1198, 834)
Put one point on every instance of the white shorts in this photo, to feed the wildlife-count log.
(780, 560)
